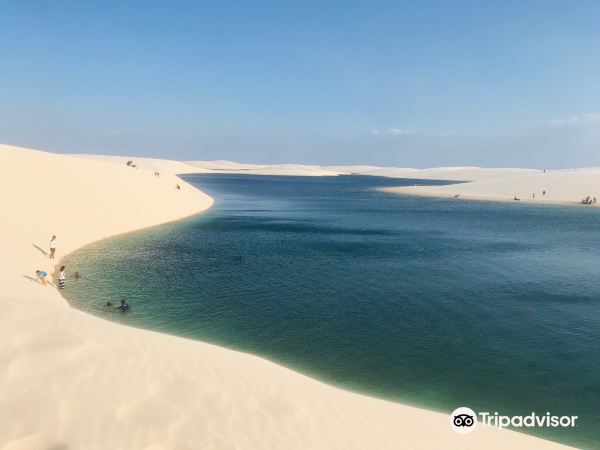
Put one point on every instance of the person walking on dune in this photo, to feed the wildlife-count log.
(52, 246)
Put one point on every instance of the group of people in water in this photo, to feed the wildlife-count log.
(41, 276)
(123, 307)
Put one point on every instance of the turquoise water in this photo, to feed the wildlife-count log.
(434, 302)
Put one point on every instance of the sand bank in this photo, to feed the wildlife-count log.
(559, 186)
(71, 380)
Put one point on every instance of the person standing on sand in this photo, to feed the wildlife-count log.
(52, 246)
(61, 278)
(41, 275)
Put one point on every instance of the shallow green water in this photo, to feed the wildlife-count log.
(434, 302)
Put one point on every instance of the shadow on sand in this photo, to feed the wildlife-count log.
(48, 282)
(40, 249)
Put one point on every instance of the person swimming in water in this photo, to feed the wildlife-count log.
(124, 306)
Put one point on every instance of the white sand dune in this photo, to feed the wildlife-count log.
(71, 380)
(265, 169)
(561, 186)
(437, 173)
(222, 166)
(161, 165)
(219, 166)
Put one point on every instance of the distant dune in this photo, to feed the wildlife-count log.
(499, 184)
(560, 186)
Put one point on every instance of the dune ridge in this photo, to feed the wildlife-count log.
(222, 166)
(69, 380)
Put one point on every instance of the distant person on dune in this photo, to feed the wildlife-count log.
(52, 246)
(41, 275)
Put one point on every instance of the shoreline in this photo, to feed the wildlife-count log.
(178, 392)
(556, 187)
(64, 256)
(410, 191)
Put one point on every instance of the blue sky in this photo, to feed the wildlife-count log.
(389, 83)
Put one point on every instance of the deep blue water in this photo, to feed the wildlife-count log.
(434, 302)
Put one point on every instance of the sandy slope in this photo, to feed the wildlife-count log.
(153, 164)
(71, 380)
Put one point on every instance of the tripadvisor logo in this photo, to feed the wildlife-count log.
(464, 420)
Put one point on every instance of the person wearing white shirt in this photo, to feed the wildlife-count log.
(52, 247)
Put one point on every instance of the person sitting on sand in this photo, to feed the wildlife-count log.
(516, 198)
(178, 187)
(41, 275)
(124, 306)
(61, 277)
